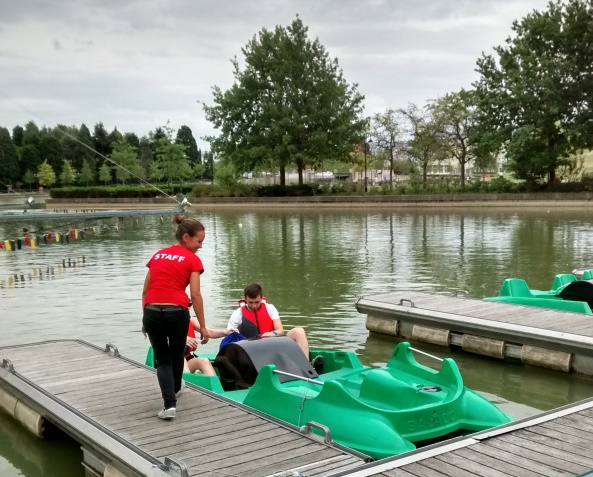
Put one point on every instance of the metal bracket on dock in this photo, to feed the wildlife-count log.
(109, 347)
(306, 429)
(463, 293)
(404, 300)
(6, 363)
(175, 465)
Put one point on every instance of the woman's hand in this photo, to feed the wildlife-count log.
(205, 335)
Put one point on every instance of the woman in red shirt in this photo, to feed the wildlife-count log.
(165, 306)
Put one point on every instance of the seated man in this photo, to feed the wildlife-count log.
(256, 317)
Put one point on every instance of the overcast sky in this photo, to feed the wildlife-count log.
(135, 64)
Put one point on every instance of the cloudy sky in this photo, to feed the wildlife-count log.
(135, 64)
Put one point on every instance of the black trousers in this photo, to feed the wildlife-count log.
(166, 326)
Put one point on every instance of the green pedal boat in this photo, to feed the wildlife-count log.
(567, 293)
(379, 412)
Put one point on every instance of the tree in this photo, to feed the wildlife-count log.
(126, 161)
(457, 117)
(186, 138)
(387, 132)
(132, 139)
(50, 150)
(76, 144)
(46, 174)
(145, 156)
(105, 173)
(171, 162)
(535, 93)
(114, 136)
(68, 174)
(17, 135)
(9, 158)
(209, 163)
(290, 104)
(30, 158)
(101, 142)
(31, 134)
(425, 145)
(86, 175)
(29, 177)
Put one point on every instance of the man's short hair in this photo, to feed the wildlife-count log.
(253, 291)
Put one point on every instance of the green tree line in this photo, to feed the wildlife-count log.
(68, 155)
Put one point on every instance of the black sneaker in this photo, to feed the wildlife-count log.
(317, 362)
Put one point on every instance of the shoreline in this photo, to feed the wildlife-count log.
(578, 200)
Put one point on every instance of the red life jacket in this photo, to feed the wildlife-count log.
(261, 318)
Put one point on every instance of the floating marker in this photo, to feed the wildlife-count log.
(76, 234)
(33, 243)
(7, 245)
(18, 243)
(57, 237)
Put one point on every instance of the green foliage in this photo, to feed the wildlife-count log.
(87, 175)
(17, 136)
(68, 175)
(9, 158)
(290, 105)
(535, 92)
(171, 162)
(46, 174)
(50, 150)
(226, 176)
(125, 160)
(105, 173)
(186, 138)
(29, 177)
(457, 119)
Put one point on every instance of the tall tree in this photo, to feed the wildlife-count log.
(536, 92)
(101, 142)
(457, 117)
(126, 162)
(87, 175)
(171, 162)
(50, 150)
(387, 131)
(31, 134)
(68, 174)
(17, 135)
(425, 145)
(132, 139)
(30, 158)
(290, 103)
(145, 155)
(9, 158)
(186, 138)
(29, 178)
(46, 174)
(114, 136)
(105, 173)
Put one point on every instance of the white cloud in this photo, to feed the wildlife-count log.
(137, 64)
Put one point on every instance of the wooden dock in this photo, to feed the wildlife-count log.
(542, 337)
(109, 403)
(558, 443)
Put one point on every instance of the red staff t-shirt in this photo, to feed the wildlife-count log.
(170, 270)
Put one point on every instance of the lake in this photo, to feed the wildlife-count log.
(314, 263)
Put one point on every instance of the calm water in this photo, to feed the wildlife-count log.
(313, 265)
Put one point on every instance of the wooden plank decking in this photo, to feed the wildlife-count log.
(558, 443)
(515, 324)
(109, 404)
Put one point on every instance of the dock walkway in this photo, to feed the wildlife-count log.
(538, 336)
(557, 443)
(109, 403)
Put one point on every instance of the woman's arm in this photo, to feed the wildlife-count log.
(213, 333)
(198, 305)
(144, 292)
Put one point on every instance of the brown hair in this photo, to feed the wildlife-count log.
(253, 291)
(186, 226)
